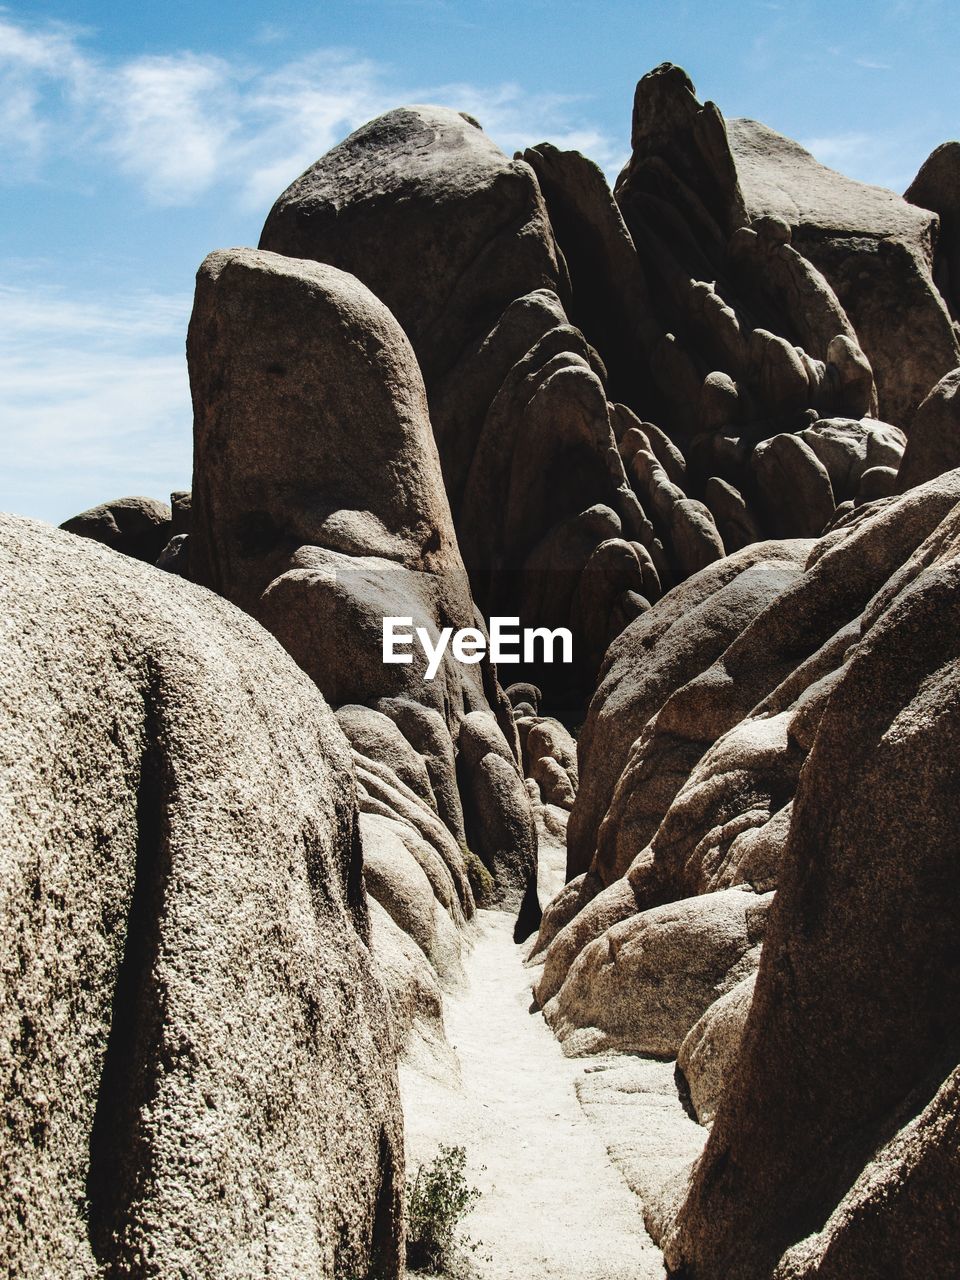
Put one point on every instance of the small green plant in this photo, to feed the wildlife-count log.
(481, 881)
(437, 1199)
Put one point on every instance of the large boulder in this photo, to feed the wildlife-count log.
(934, 444)
(795, 486)
(709, 1054)
(468, 229)
(610, 301)
(335, 518)
(199, 1071)
(937, 187)
(703, 798)
(839, 1124)
(747, 334)
(139, 527)
(900, 1217)
(656, 655)
(518, 395)
(347, 465)
(874, 248)
(643, 984)
(798, 636)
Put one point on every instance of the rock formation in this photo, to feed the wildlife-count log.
(707, 422)
(806, 758)
(139, 527)
(197, 1058)
(937, 187)
(544, 512)
(338, 519)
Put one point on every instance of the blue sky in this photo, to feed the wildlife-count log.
(133, 142)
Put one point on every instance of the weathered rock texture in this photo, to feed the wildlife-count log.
(549, 524)
(625, 389)
(875, 250)
(322, 526)
(139, 527)
(707, 422)
(865, 926)
(197, 1059)
(937, 187)
(807, 749)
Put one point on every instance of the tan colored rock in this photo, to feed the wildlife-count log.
(781, 376)
(934, 443)
(195, 1045)
(874, 248)
(416, 998)
(373, 734)
(736, 787)
(573, 924)
(876, 482)
(348, 522)
(394, 876)
(834, 1142)
(790, 285)
(426, 730)
(502, 832)
(719, 402)
(668, 120)
(689, 628)
(553, 781)
(254, 506)
(694, 536)
(139, 527)
(460, 400)
(643, 984)
(709, 1053)
(566, 903)
(381, 792)
(901, 1213)
(849, 447)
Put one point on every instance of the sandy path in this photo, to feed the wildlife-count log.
(553, 1204)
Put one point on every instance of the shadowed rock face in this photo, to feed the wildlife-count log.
(335, 518)
(934, 445)
(869, 928)
(812, 756)
(198, 1059)
(139, 527)
(526, 433)
(937, 187)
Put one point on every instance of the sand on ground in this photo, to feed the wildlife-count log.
(554, 1205)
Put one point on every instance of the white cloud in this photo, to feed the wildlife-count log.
(95, 399)
(295, 114)
(885, 158)
(37, 70)
(169, 121)
(839, 148)
(180, 124)
(94, 391)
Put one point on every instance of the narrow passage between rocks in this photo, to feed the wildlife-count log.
(553, 1203)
